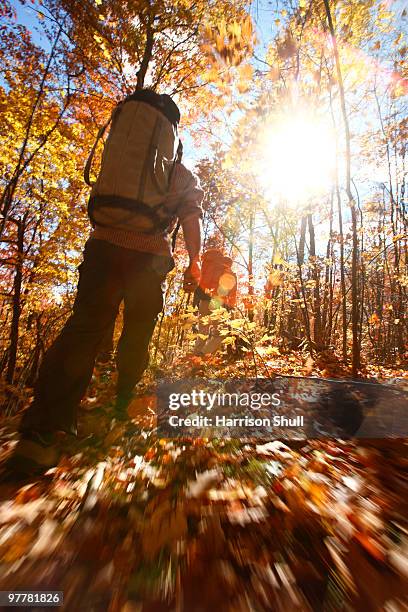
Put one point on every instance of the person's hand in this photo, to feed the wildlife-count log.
(192, 276)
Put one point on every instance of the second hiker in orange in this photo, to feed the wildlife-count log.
(217, 289)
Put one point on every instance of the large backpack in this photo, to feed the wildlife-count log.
(217, 278)
(137, 164)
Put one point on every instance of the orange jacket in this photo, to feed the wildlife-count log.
(217, 277)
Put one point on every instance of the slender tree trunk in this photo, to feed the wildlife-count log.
(354, 262)
(328, 286)
(317, 331)
(301, 251)
(147, 56)
(300, 255)
(7, 195)
(16, 303)
(251, 264)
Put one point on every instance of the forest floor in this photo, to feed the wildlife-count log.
(130, 522)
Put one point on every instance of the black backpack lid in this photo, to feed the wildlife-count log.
(162, 102)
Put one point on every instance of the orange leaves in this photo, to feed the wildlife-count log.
(212, 75)
(374, 319)
(16, 546)
(246, 72)
(235, 520)
(142, 405)
(371, 546)
(229, 43)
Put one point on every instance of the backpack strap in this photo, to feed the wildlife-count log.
(88, 165)
(174, 236)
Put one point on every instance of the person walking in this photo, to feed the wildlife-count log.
(141, 192)
(217, 289)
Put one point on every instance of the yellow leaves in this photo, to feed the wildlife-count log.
(310, 284)
(219, 43)
(385, 15)
(266, 338)
(106, 52)
(267, 350)
(228, 45)
(208, 32)
(275, 278)
(246, 72)
(229, 340)
(247, 28)
(235, 30)
(102, 44)
(403, 280)
(227, 162)
(230, 42)
(277, 260)
(237, 323)
(399, 39)
(98, 2)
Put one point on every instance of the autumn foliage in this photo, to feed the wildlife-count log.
(322, 278)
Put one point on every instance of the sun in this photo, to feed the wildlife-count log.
(296, 159)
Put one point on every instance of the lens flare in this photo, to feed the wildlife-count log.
(297, 159)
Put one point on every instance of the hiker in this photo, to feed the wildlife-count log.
(217, 289)
(141, 190)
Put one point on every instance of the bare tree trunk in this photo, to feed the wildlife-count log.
(6, 198)
(300, 255)
(301, 251)
(317, 331)
(354, 262)
(251, 264)
(342, 278)
(16, 303)
(147, 56)
(327, 315)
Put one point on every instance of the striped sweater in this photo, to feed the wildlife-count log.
(183, 202)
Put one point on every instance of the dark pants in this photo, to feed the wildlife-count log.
(108, 275)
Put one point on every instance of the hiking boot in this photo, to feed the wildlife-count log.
(35, 453)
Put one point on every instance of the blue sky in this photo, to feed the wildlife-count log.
(262, 15)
